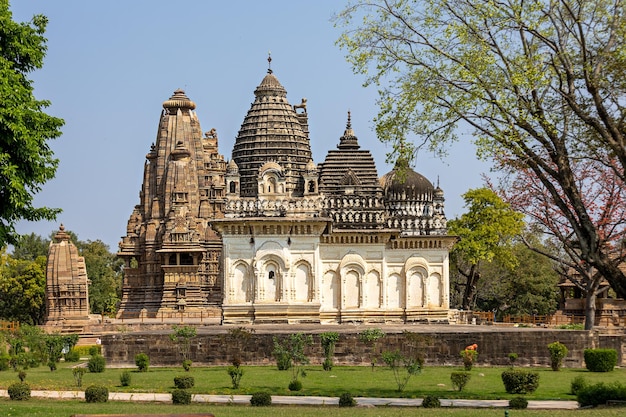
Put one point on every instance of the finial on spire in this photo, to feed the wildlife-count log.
(269, 62)
(349, 124)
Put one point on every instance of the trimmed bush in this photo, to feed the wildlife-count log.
(577, 384)
(600, 360)
(21, 375)
(96, 364)
(94, 350)
(518, 403)
(558, 351)
(181, 396)
(142, 361)
(346, 400)
(430, 401)
(72, 356)
(19, 391)
(600, 394)
(518, 381)
(295, 385)
(184, 382)
(460, 379)
(261, 399)
(125, 379)
(96, 394)
(187, 365)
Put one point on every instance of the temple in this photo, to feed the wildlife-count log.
(67, 302)
(271, 236)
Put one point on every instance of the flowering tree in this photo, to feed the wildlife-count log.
(603, 195)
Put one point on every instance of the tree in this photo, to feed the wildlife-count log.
(541, 83)
(294, 346)
(486, 231)
(22, 289)
(26, 160)
(603, 193)
(104, 270)
(29, 247)
(182, 338)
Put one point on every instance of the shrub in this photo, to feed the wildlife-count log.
(469, 355)
(235, 373)
(599, 394)
(328, 341)
(261, 399)
(327, 365)
(518, 403)
(96, 394)
(346, 400)
(295, 385)
(78, 373)
(518, 381)
(4, 361)
(460, 379)
(558, 351)
(142, 361)
(96, 363)
(430, 401)
(94, 350)
(181, 396)
(600, 360)
(187, 365)
(72, 356)
(21, 375)
(125, 379)
(512, 358)
(184, 382)
(19, 391)
(577, 384)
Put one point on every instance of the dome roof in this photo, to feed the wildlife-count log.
(179, 100)
(403, 181)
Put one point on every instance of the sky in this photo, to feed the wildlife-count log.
(111, 64)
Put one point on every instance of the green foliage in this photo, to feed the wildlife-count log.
(295, 385)
(370, 337)
(105, 274)
(26, 160)
(261, 399)
(346, 400)
(72, 356)
(460, 379)
(96, 363)
(22, 287)
(182, 338)
(403, 367)
(187, 365)
(96, 394)
(94, 350)
(235, 373)
(486, 231)
(181, 396)
(469, 357)
(55, 344)
(29, 247)
(600, 360)
(142, 361)
(518, 403)
(78, 373)
(19, 391)
(512, 358)
(293, 346)
(280, 353)
(578, 384)
(518, 381)
(558, 351)
(574, 326)
(21, 375)
(184, 382)
(328, 341)
(84, 350)
(238, 339)
(125, 379)
(430, 401)
(599, 394)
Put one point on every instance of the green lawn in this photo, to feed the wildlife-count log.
(52, 408)
(360, 381)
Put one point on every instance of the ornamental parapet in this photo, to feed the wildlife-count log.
(278, 207)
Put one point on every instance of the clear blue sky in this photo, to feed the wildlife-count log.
(111, 64)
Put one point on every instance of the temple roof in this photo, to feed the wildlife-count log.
(404, 183)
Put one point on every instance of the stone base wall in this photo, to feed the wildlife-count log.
(439, 347)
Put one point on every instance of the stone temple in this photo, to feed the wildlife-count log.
(270, 236)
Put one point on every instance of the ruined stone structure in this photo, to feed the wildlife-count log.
(272, 237)
(67, 301)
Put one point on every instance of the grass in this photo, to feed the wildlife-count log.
(485, 383)
(53, 408)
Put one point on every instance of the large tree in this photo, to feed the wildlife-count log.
(540, 82)
(22, 289)
(104, 270)
(26, 160)
(486, 231)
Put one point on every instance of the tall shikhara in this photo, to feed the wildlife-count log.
(171, 253)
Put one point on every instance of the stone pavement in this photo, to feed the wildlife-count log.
(303, 400)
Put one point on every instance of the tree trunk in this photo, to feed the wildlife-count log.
(590, 310)
(470, 287)
(611, 272)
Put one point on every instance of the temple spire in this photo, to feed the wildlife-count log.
(269, 62)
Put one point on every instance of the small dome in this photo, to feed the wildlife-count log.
(402, 180)
(232, 167)
(179, 101)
